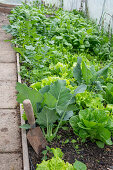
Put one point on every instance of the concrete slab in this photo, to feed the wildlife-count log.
(7, 95)
(3, 33)
(9, 131)
(11, 161)
(8, 72)
(5, 36)
(5, 45)
(7, 57)
(3, 22)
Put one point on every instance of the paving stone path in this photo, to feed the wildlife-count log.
(10, 139)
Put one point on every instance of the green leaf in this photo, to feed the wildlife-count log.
(100, 144)
(80, 89)
(103, 72)
(25, 126)
(89, 124)
(68, 115)
(44, 90)
(46, 117)
(62, 95)
(7, 28)
(98, 85)
(50, 100)
(105, 134)
(86, 73)
(83, 134)
(74, 123)
(77, 73)
(25, 92)
(79, 165)
(57, 152)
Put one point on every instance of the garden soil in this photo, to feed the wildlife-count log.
(94, 157)
(10, 138)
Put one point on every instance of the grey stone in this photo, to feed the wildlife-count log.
(9, 131)
(8, 71)
(5, 46)
(5, 56)
(10, 161)
(7, 95)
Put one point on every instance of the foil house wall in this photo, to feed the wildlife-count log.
(14, 2)
(99, 10)
(102, 11)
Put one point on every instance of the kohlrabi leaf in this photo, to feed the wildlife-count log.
(50, 100)
(80, 89)
(86, 73)
(103, 72)
(25, 92)
(68, 115)
(62, 95)
(45, 89)
(46, 117)
(77, 73)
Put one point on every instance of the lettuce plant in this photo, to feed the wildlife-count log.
(56, 163)
(97, 125)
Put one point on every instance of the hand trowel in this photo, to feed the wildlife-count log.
(34, 135)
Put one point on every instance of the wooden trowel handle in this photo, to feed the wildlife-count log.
(29, 111)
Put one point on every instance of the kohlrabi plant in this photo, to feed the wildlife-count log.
(89, 76)
(52, 104)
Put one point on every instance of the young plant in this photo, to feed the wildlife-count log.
(56, 163)
(97, 125)
(50, 105)
(57, 98)
(88, 75)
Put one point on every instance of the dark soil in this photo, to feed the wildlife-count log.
(94, 157)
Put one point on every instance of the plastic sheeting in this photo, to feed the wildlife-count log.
(100, 10)
(13, 2)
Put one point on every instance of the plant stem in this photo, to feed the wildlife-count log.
(59, 124)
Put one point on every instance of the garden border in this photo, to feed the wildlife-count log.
(6, 8)
(25, 154)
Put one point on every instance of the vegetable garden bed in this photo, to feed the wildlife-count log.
(67, 63)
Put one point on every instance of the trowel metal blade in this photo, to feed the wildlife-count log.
(36, 139)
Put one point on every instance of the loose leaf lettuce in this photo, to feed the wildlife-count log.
(56, 163)
(93, 124)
